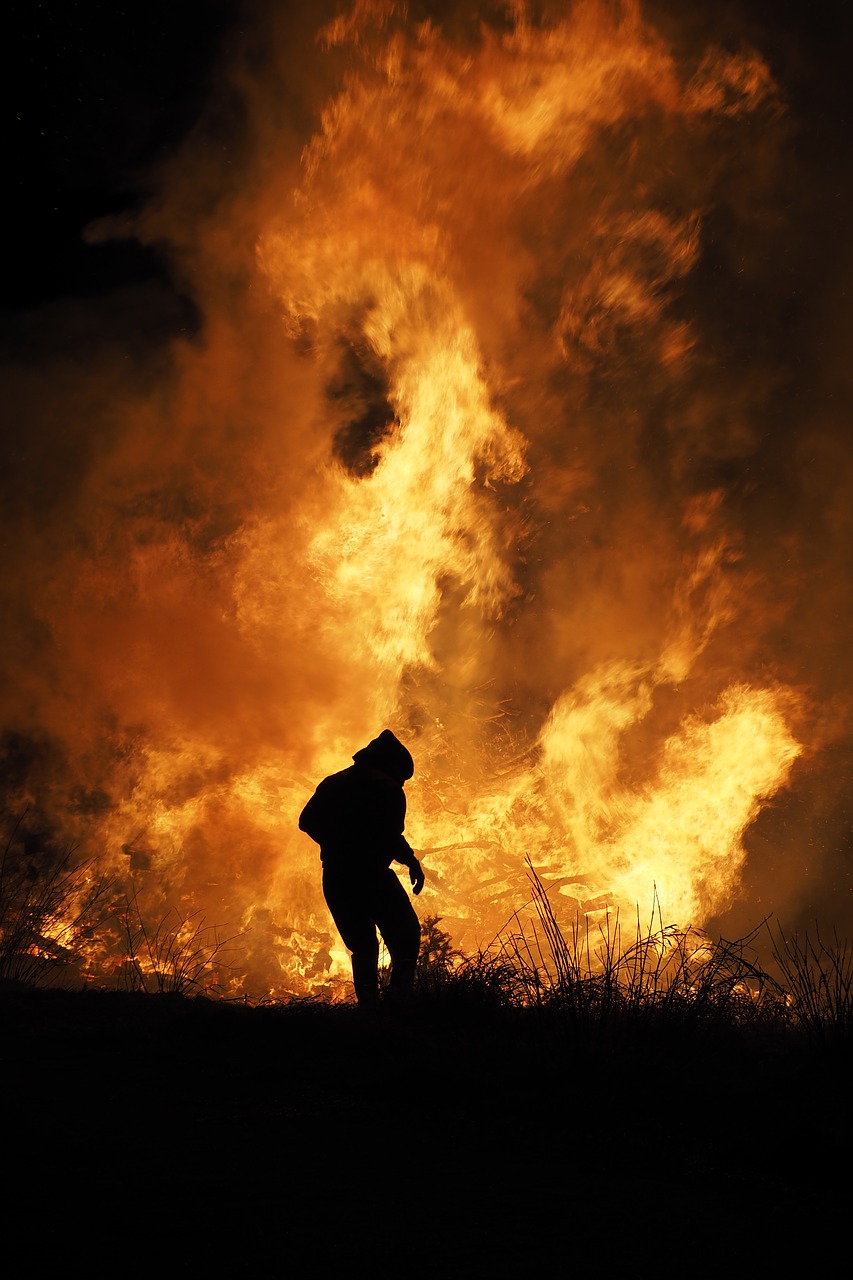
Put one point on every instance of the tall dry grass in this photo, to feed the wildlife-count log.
(605, 983)
(50, 909)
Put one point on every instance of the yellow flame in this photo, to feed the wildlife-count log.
(404, 575)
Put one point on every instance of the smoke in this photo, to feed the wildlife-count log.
(587, 253)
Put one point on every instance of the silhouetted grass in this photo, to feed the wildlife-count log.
(50, 907)
(816, 987)
(601, 987)
(657, 979)
(176, 955)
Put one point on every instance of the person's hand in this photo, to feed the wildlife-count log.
(416, 874)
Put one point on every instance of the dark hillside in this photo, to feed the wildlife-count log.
(206, 1138)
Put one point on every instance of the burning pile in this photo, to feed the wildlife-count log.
(452, 453)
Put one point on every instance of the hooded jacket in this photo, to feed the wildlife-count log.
(358, 816)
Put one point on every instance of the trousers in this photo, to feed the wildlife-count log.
(361, 904)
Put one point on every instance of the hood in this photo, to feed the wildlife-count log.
(388, 754)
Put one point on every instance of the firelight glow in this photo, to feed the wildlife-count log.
(464, 460)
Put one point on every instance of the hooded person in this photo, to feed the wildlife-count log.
(357, 817)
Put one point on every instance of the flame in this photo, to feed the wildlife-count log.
(474, 281)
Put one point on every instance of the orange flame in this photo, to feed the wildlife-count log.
(475, 281)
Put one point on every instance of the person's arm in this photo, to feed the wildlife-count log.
(406, 855)
(403, 851)
(416, 875)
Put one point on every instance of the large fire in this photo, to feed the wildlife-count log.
(452, 453)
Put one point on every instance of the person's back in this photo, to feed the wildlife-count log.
(357, 817)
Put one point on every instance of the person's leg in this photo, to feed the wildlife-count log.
(353, 919)
(396, 920)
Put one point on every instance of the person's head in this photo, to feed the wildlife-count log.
(387, 754)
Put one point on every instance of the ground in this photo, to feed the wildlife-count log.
(157, 1131)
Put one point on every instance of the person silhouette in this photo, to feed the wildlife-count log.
(357, 817)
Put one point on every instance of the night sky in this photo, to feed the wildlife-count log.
(101, 93)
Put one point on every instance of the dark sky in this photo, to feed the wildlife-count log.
(100, 93)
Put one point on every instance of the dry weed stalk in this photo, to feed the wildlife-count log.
(49, 909)
(593, 976)
(176, 956)
(817, 978)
